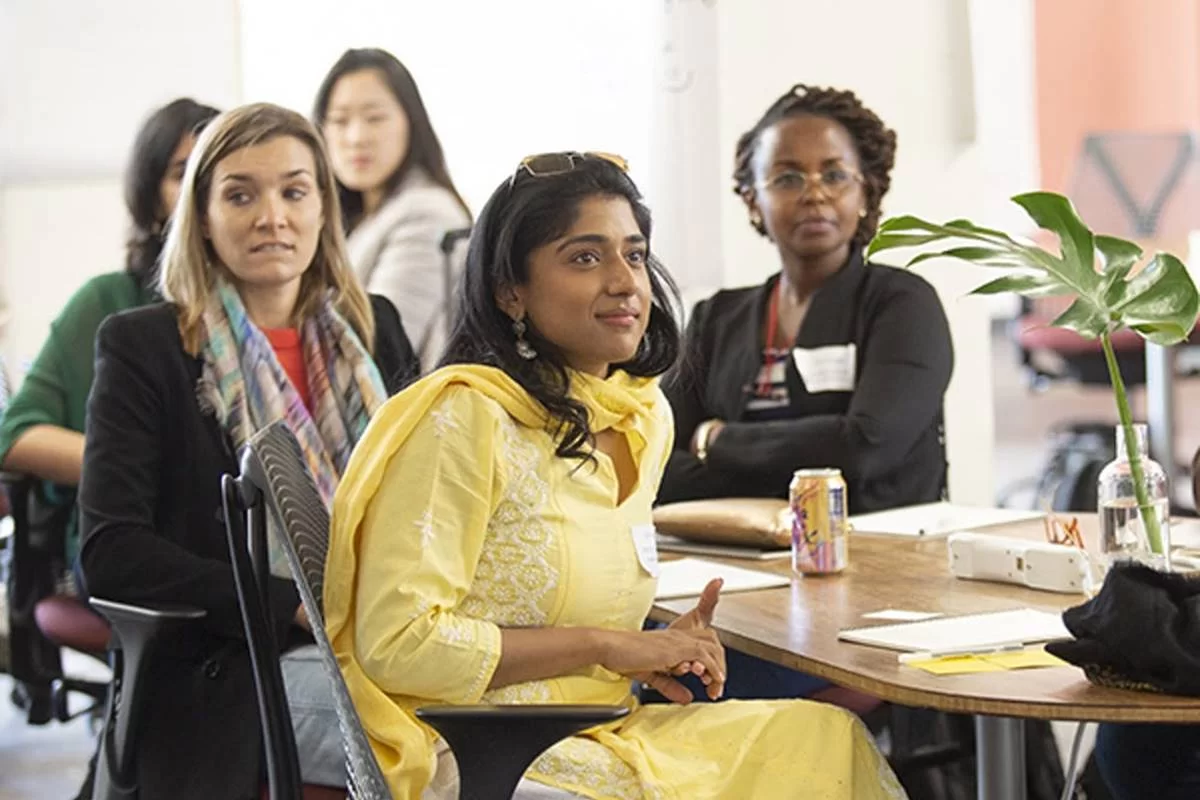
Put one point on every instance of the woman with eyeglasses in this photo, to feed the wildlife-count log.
(833, 362)
(492, 539)
(397, 195)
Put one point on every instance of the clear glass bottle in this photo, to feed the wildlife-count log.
(1122, 532)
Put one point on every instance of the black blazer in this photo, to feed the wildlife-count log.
(885, 435)
(152, 532)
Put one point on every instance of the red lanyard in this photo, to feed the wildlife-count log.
(769, 359)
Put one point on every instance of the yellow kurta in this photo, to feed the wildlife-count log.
(455, 519)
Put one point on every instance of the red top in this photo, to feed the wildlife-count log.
(286, 344)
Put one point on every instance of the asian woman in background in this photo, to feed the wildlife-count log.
(397, 196)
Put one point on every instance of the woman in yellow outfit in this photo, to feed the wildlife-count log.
(492, 540)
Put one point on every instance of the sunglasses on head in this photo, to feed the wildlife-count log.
(543, 165)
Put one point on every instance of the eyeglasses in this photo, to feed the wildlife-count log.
(546, 164)
(833, 181)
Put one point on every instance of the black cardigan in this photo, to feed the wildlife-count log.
(153, 533)
(885, 435)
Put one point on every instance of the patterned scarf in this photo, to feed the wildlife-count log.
(247, 388)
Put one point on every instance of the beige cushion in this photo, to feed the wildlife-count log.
(746, 521)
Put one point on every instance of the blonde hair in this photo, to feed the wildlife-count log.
(189, 264)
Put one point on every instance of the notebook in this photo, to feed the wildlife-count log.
(937, 519)
(687, 577)
(676, 545)
(993, 629)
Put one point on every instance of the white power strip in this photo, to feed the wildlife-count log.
(1038, 565)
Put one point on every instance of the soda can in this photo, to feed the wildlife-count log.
(818, 502)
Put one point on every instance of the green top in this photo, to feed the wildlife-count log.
(55, 390)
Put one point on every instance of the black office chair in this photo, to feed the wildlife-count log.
(492, 744)
(137, 632)
(42, 618)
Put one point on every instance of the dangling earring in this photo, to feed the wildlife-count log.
(862, 213)
(524, 348)
(756, 219)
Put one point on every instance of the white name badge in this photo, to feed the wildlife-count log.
(827, 369)
(646, 545)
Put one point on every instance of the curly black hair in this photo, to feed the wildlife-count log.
(874, 142)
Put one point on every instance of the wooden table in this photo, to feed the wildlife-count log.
(797, 627)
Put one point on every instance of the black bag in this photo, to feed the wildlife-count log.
(1142, 631)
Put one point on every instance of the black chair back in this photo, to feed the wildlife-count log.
(493, 745)
(273, 464)
(249, 559)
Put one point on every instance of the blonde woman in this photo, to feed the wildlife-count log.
(264, 320)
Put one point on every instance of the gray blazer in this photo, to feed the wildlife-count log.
(396, 252)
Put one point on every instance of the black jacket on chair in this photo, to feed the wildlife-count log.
(153, 533)
(885, 435)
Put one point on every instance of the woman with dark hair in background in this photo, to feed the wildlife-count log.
(491, 538)
(42, 430)
(397, 196)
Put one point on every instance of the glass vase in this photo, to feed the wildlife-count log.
(1122, 527)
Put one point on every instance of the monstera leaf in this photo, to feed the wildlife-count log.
(1159, 301)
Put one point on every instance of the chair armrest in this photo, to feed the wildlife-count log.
(128, 614)
(495, 744)
(136, 631)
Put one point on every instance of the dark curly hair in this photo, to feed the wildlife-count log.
(874, 142)
(520, 217)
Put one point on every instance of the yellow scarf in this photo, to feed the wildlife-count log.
(621, 402)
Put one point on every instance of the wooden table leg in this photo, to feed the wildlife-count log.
(1000, 758)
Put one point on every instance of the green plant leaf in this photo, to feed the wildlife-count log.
(1028, 285)
(1160, 302)
(1117, 253)
(967, 225)
(1056, 214)
(1120, 256)
(982, 256)
(906, 222)
(1083, 318)
(890, 241)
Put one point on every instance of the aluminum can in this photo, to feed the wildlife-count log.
(819, 526)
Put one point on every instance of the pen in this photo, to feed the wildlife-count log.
(927, 655)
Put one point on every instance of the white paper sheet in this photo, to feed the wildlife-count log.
(937, 519)
(687, 577)
(1022, 625)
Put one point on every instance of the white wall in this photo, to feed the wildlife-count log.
(77, 78)
(53, 237)
(501, 80)
(954, 79)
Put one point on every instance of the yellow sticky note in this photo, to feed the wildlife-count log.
(956, 665)
(1024, 659)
